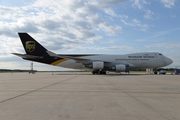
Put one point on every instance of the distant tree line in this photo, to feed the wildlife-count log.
(17, 70)
(167, 69)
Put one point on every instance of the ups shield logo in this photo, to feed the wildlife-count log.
(30, 46)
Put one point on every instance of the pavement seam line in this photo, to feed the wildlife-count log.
(36, 90)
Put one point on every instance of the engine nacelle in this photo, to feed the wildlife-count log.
(98, 65)
(120, 68)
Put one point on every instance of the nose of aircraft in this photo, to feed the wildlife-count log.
(167, 61)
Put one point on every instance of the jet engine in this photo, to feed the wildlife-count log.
(120, 68)
(98, 65)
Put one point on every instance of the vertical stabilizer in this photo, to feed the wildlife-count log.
(31, 46)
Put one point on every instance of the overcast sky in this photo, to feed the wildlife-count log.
(89, 26)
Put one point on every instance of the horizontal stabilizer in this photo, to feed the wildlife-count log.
(27, 56)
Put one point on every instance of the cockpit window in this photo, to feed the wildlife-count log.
(160, 54)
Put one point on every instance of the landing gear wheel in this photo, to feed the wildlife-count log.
(95, 72)
(99, 72)
(155, 72)
(102, 72)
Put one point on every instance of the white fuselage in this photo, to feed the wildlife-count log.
(133, 61)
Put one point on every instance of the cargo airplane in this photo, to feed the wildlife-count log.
(97, 63)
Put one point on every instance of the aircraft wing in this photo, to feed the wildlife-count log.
(90, 61)
(77, 59)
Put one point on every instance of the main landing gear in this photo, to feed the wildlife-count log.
(155, 72)
(101, 72)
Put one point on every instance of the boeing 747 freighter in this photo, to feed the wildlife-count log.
(97, 63)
